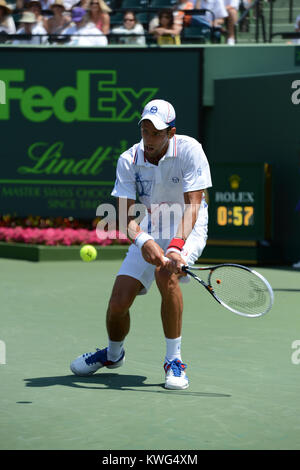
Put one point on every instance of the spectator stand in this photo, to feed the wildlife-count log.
(261, 21)
(258, 17)
(146, 10)
(267, 21)
(282, 19)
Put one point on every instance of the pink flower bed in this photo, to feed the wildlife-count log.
(61, 236)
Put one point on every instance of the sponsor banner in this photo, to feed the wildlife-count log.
(67, 115)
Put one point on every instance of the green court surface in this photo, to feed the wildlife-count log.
(244, 373)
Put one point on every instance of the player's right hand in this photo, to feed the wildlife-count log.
(153, 253)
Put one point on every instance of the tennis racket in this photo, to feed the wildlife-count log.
(238, 288)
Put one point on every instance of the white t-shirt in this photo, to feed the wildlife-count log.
(8, 26)
(183, 168)
(36, 29)
(216, 6)
(138, 30)
(232, 3)
(88, 35)
(69, 4)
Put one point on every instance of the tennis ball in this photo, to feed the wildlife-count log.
(88, 253)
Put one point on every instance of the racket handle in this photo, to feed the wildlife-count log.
(168, 259)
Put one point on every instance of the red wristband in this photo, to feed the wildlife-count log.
(176, 243)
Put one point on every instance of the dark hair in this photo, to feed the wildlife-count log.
(132, 13)
(166, 12)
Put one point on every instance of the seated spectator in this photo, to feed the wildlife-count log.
(7, 24)
(184, 5)
(83, 4)
(98, 14)
(59, 21)
(69, 4)
(130, 27)
(215, 6)
(35, 7)
(166, 28)
(46, 4)
(84, 32)
(188, 19)
(23, 4)
(232, 7)
(30, 26)
(215, 20)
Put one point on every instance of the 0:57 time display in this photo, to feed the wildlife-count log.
(235, 215)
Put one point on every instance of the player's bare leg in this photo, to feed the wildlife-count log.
(171, 303)
(124, 292)
(171, 314)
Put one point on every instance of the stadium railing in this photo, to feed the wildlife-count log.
(283, 34)
(286, 35)
(197, 34)
(257, 8)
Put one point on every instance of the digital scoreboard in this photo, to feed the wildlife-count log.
(240, 202)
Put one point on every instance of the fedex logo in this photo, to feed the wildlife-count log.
(96, 97)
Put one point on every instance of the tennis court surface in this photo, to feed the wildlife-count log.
(244, 373)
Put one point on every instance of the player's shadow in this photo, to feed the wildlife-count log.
(112, 381)
(285, 290)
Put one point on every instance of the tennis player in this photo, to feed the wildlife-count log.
(169, 173)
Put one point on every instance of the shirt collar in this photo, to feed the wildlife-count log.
(139, 158)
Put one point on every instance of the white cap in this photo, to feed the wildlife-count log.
(160, 113)
(28, 17)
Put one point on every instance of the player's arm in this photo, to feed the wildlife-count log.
(127, 215)
(192, 202)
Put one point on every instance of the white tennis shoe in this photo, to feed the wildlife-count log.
(89, 363)
(176, 378)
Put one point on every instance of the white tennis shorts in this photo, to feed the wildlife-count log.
(135, 266)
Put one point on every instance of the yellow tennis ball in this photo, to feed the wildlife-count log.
(88, 253)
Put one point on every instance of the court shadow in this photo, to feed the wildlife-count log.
(112, 381)
(285, 290)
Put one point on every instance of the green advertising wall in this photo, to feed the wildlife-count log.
(252, 114)
(68, 115)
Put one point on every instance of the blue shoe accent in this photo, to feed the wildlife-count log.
(89, 363)
(101, 356)
(176, 366)
(176, 378)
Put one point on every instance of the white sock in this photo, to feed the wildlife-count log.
(114, 350)
(173, 349)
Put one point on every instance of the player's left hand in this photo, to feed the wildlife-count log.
(175, 263)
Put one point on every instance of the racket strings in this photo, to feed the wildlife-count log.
(240, 289)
